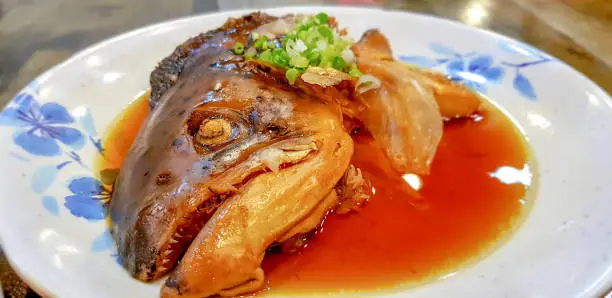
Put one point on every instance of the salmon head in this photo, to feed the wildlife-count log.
(225, 150)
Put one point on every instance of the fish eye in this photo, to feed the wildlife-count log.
(214, 131)
(213, 128)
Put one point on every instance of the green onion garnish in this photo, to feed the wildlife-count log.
(321, 18)
(280, 57)
(327, 33)
(314, 57)
(355, 73)
(261, 43)
(266, 56)
(292, 75)
(238, 48)
(312, 42)
(338, 63)
(299, 61)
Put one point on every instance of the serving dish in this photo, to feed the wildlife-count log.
(52, 227)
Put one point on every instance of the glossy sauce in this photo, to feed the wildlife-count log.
(120, 135)
(401, 236)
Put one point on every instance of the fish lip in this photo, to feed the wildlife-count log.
(161, 261)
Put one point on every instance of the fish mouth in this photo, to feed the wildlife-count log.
(148, 258)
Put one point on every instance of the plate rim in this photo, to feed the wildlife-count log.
(37, 286)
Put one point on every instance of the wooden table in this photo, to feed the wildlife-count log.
(37, 34)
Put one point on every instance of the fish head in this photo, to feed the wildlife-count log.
(210, 134)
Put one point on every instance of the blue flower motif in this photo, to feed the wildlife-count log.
(89, 198)
(103, 242)
(40, 128)
(50, 205)
(475, 72)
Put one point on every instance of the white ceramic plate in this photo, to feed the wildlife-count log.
(52, 228)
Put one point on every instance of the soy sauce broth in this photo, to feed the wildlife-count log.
(479, 189)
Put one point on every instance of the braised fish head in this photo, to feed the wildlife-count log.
(221, 126)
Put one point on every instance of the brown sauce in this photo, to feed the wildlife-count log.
(121, 133)
(401, 236)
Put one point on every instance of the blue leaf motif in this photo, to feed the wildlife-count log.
(87, 123)
(43, 178)
(37, 145)
(419, 61)
(494, 74)
(103, 242)
(480, 63)
(441, 49)
(455, 67)
(54, 113)
(50, 204)
(524, 87)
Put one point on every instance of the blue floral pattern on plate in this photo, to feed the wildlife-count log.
(40, 128)
(89, 198)
(49, 131)
(479, 70)
(475, 72)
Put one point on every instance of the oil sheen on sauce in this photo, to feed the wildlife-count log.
(477, 193)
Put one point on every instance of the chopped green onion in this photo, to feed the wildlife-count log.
(261, 43)
(312, 42)
(355, 73)
(326, 32)
(322, 18)
(257, 44)
(292, 74)
(290, 35)
(299, 61)
(266, 56)
(238, 48)
(280, 57)
(303, 35)
(314, 57)
(338, 63)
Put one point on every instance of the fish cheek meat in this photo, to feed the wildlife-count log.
(225, 257)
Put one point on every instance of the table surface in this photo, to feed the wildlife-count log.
(37, 34)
